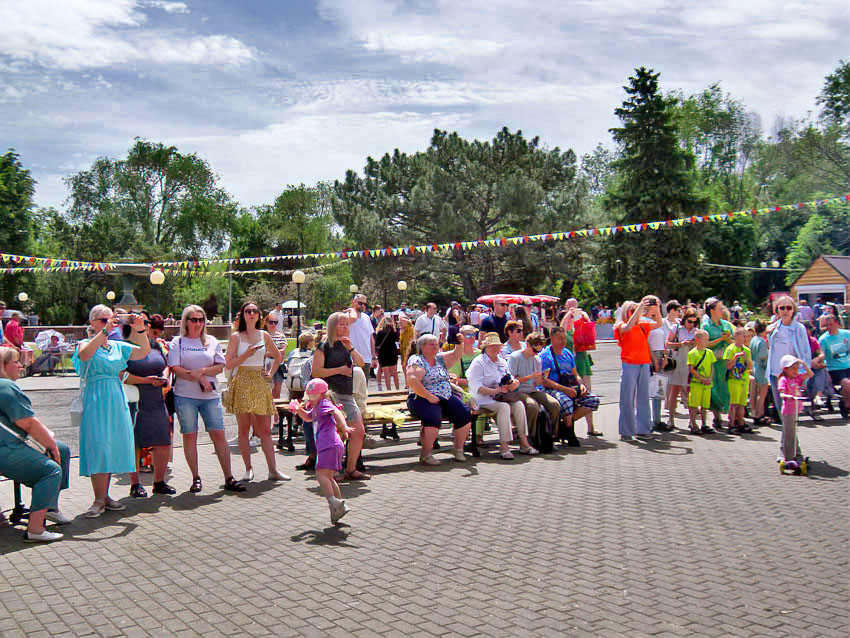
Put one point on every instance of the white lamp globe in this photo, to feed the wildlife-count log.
(157, 278)
(110, 295)
(298, 277)
(22, 297)
(402, 285)
(353, 289)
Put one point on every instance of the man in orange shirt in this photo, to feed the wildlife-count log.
(632, 333)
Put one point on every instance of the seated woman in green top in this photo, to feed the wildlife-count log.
(466, 337)
(45, 474)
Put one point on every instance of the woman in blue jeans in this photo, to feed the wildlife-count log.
(45, 474)
(431, 399)
(196, 359)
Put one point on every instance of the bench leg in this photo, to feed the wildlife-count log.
(472, 446)
(19, 512)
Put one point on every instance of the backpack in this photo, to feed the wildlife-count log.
(294, 379)
(306, 371)
(543, 437)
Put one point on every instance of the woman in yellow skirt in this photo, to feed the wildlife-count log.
(249, 394)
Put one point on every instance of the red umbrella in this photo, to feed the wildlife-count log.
(507, 298)
(544, 299)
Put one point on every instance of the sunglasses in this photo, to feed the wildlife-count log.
(250, 311)
(691, 321)
(102, 320)
(196, 319)
(271, 321)
(469, 336)
(786, 307)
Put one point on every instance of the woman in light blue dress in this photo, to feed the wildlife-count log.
(106, 431)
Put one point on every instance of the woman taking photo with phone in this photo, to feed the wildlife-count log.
(106, 431)
(151, 425)
(249, 396)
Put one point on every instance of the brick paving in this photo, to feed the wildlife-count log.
(680, 536)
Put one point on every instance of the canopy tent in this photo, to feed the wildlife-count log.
(516, 298)
(288, 305)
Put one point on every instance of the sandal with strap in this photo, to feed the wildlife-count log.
(356, 475)
(138, 491)
(197, 486)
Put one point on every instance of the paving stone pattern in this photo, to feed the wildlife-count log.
(680, 536)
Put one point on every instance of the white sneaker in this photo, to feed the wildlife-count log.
(248, 476)
(338, 510)
(44, 537)
(254, 441)
(279, 476)
(530, 451)
(429, 460)
(57, 517)
(459, 456)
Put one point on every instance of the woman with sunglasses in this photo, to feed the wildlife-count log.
(151, 424)
(195, 359)
(785, 336)
(106, 431)
(249, 396)
(719, 337)
(681, 340)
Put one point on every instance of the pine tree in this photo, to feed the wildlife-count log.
(655, 181)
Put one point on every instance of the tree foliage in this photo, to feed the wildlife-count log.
(460, 190)
(655, 181)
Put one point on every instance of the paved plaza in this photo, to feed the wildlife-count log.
(675, 537)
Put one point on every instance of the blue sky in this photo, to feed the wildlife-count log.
(283, 92)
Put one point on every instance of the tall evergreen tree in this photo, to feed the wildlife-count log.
(655, 181)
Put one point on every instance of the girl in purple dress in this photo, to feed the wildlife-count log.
(330, 431)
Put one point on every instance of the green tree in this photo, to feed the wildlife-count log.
(157, 203)
(826, 232)
(16, 209)
(655, 181)
(835, 96)
(460, 190)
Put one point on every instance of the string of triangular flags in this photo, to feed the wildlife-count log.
(25, 263)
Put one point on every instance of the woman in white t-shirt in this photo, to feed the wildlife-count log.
(196, 359)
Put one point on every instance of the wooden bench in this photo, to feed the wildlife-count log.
(395, 400)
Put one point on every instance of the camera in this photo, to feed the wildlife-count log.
(506, 380)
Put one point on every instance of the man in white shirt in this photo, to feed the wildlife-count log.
(362, 332)
(430, 323)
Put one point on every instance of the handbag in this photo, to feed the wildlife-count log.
(584, 335)
(76, 408)
(131, 392)
(169, 396)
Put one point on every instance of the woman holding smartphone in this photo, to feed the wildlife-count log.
(249, 396)
(151, 425)
(195, 360)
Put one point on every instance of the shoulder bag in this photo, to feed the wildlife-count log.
(76, 408)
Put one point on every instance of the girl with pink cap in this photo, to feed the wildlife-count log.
(330, 430)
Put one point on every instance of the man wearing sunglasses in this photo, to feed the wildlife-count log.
(497, 321)
(362, 333)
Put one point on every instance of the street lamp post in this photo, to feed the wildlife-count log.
(157, 278)
(402, 286)
(298, 278)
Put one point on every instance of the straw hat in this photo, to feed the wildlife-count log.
(490, 339)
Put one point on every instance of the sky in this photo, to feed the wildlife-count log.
(279, 92)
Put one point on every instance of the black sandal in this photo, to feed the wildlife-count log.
(197, 486)
(137, 490)
(232, 485)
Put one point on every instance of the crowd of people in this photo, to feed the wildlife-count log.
(528, 369)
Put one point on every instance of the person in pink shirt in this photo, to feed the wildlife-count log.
(330, 429)
(791, 389)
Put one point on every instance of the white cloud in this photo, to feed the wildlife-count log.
(83, 34)
(169, 7)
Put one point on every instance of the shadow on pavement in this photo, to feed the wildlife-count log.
(335, 536)
(821, 470)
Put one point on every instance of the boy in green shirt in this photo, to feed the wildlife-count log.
(700, 363)
(739, 362)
